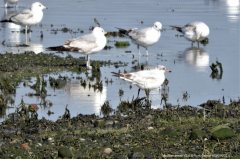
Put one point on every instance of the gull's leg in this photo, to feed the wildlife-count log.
(16, 5)
(138, 50)
(139, 58)
(29, 33)
(198, 44)
(88, 63)
(192, 44)
(146, 51)
(26, 34)
(138, 92)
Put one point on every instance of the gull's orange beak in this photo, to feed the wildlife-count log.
(167, 70)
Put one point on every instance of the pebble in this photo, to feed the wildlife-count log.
(24, 146)
(107, 151)
(150, 128)
(82, 139)
(38, 145)
(50, 139)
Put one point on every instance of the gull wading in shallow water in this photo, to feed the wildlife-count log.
(144, 37)
(6, 2)
(86, 44)
(194, 31)
(28, 17)
(146, 79)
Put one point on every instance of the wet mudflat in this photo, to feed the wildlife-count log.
(191, 73)
(56, 102)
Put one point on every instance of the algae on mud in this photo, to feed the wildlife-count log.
(142, 132)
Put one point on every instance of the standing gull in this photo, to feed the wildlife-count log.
(86, 44)
(144, 37)
(194, 31)
(10, 2)
(146, 79)
(28, 17)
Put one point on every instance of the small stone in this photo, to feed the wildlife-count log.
(109, 123)
(24, 146)
(34, 107)
(128, 136)
(65, 152)
(38, 145)
(13, 142)
(150, 128)
(197, 134)
(136, 155)
(82, 139)
(223, 133)
(107, 151)
(50, 139)
(227, 124)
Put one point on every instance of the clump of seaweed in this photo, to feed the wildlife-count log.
(205, 41)
(120, 44)
(217, 70)
(106, 109)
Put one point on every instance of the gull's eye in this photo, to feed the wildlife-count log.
(39, 5)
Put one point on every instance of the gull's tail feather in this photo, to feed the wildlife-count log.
(118, 74)
(177, 28)
(124, 31)
(61, 48)
(6, 20)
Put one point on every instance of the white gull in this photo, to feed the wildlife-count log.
(146, 79)
(88, 44)
(194, 31)
(28, 17)
(144, 37)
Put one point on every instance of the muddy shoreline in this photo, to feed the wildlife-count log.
(133, 130)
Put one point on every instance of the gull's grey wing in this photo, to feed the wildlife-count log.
(84, 43)
(189, 27)
(185, 28)
(24, 15)
(139, 33)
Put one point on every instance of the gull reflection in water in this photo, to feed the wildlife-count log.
(232, 9)
(18, 47)
(87, 99)
(196, 57)
(13, 35)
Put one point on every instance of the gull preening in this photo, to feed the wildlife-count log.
(144, 37)
(194, 31)
(28, 17)
(146, 79)
(86, 44)
(11, 2)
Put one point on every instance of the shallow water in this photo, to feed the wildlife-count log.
(189, 66)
